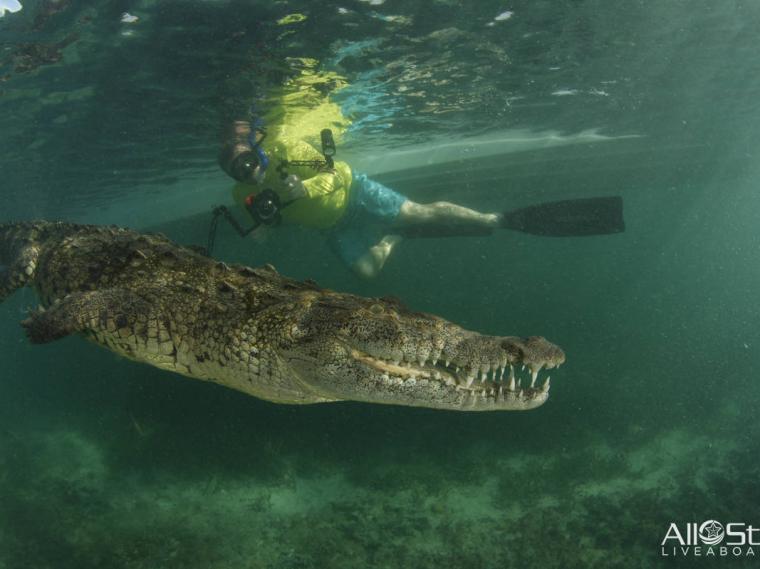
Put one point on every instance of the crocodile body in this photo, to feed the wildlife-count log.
(251, 329)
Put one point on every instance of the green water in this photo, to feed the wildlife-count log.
(653, 420)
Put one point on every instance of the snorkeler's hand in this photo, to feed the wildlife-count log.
(294, 188)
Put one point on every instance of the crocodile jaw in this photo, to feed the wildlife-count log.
(442, 386)
(420, 360)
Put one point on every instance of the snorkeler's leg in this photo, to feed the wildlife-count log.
(370, 264)
(413, 213)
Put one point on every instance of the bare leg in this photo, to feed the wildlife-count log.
(370, 264)
(413, 213)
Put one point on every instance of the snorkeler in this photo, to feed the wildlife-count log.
(294, 183)
(283, 178)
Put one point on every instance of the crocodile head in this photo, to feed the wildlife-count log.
(374, 350)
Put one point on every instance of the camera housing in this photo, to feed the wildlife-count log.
(265, 207)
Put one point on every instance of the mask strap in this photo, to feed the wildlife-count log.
(258, 128)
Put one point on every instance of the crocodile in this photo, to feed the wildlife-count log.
(251, 329)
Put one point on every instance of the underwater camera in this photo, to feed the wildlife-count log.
(264, 207)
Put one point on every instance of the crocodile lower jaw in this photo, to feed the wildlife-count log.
(495, 382)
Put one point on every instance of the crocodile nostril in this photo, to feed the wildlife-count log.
(376, 309)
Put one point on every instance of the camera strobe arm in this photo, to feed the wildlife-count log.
(222, 211)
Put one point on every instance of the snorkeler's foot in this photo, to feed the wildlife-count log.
(493, 220)
(388, 242)
(371, 263)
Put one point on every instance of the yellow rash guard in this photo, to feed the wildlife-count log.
(326, 191)
(296, 113)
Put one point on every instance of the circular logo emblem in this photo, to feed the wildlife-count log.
(711, 532)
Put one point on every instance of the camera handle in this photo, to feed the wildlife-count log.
(222, 211)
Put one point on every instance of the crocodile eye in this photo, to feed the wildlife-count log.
(376, 309)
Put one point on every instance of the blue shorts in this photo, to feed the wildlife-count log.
(371, 210)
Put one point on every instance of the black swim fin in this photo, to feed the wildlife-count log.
(569, 218)
(566, 218)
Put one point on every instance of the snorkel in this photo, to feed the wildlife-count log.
(255, 138)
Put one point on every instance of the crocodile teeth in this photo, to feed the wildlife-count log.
(511, 379)
(533, 377)
(470, 379)
(545, 386)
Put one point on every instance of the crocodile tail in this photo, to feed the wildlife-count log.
(20, 246)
